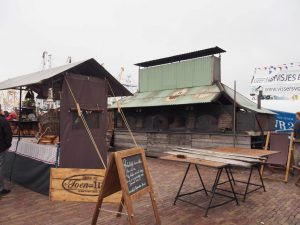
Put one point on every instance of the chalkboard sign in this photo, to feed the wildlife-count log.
(127, 171)
(134, 173)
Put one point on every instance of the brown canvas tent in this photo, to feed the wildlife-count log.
(91, 85)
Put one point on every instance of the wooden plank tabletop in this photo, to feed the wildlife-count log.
(245, 151)
(201, 162)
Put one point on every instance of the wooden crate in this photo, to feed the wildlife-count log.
(79, 185)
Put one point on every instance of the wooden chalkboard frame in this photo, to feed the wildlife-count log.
(115, 180)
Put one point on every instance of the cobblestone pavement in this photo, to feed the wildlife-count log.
(279, 205)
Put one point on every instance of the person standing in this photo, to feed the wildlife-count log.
(297, 137)
(5, 143)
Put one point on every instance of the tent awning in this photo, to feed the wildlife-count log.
(88, 67)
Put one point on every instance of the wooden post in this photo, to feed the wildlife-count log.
(267, 140)
(265, 148)
(289, 161)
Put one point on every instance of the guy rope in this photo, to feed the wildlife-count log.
(86, 125)
(93, 140)
(123, 115)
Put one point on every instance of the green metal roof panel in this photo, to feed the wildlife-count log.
(182, 96)
(245, 102)
(190, 73)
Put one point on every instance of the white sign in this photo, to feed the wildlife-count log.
(278, 78)
(277, 83)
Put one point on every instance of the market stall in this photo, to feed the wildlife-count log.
(58, 137)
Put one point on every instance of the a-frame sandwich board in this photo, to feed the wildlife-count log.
(128, 172)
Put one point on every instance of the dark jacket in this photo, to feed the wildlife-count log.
(5, 134)
(297, 129)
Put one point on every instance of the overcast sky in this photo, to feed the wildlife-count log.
(120, 33)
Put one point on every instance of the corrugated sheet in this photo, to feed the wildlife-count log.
(190, 73)
(245, 102)
(182, 96)
(88, 67)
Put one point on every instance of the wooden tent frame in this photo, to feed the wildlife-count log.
(289, 158)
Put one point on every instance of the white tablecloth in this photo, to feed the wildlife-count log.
(28, 147)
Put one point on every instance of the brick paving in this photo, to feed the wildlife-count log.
(279, 205)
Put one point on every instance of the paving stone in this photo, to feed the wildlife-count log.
(279, 205)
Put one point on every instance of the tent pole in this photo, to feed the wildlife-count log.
(20, 114)
(19, 137)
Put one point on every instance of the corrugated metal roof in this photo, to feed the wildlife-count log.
(186, 56)
(245, 102)
(88, 67)
(182, 96)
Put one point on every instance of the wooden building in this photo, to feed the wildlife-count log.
(182, 102)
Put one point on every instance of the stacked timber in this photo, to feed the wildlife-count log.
(234, 159)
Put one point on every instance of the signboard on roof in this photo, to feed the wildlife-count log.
(280, 82)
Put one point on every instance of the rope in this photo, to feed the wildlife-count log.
(122, 115)
(93, 141)
(158, 198)
(85, 124)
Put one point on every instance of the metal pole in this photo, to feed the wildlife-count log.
(20, 114)
(19, 136)
(234, 115)
(259, 97)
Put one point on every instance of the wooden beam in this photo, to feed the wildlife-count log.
(225, 154)
(211, 158)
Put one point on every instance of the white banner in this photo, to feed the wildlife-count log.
(277, 83)
(276, 77)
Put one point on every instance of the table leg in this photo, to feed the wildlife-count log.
(260, 176)
(230, 172)
(214, 189)
(246, 191)
(201, 179)
(232, 189)
(178, 193)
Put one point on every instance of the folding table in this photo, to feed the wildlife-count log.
(206, 163)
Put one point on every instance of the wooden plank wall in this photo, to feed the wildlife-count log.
(156, 143)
